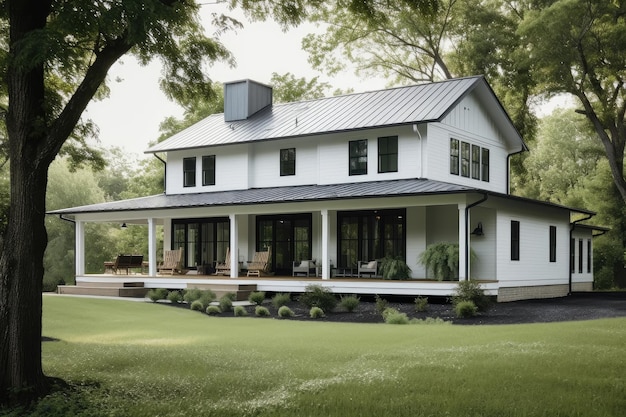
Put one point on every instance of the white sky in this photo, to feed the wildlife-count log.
(129, 118)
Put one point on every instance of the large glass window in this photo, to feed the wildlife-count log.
(208, 170)
(388, 154)
(287, 162)
(515, 240)
(358, 157)
(454, 156)
(369, 235)
(203, 241)
(288, 236)
(189, 172)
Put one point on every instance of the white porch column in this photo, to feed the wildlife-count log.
(462, 243)
(152, 245)
(234, 246)
(79, 250)
(325, 240)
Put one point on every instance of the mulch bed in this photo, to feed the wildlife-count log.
(579, 306)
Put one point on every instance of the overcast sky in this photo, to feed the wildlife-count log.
(130, 117)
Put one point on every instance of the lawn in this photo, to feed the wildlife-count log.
(141, 359)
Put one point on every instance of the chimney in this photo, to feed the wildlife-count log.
(244, 98)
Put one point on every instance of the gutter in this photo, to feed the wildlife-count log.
(164, 170)
(67, 219)
(569, 264)
(508, 167)
(467, 238)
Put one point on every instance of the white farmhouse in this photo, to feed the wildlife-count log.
(350, 179)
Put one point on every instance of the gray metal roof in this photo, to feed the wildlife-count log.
(300, 193)
(391, 107)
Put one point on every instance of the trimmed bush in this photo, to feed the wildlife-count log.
(226, 304)
(381, 305)
(285, 312)
(239, 311)
(350, 302)
(471, 291)
(465, 309)
(318, 296)
(281, 299)
(157, 294)
(211, 310)
(257, 297)
(175, 297)
(421, 304)
(316, 313)
(261, 311)
(230, 295)
(431, 320)
(197, 306)
(206, 297)
(393, 316)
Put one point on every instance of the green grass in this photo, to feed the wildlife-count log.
(142, 359)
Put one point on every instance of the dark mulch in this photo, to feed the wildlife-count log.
(579, 306)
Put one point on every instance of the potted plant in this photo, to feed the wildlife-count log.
(442, 259)
(394, 268)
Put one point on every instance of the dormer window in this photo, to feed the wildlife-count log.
(358, 157)
(469, 160)
(189, 172)
(208, 170)
(287, 162)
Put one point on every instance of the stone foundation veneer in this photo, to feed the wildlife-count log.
(582, 286)
(527, 293)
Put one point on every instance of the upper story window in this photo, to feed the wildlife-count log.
(454, 156)
(208, 170)
(388, 154)
(189, 172)
(287, 162)
(358, 157)
(470, 161)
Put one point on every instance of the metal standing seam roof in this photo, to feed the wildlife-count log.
(395, 106)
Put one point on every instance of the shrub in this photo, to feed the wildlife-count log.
(231, 296)
(257, 297)
(206, 297)
(318, 296)
(471, 291)
(316, 313)
(381, 305)
(239, 311)
(465, 309)
(261, 311)
(157, 294)
(421, 304)
(226, 304)
(175, 297)
(285, 312)
(442, 259)
(431, 320)
(394, 268)
(197, 306)
(281, 299)
(350, 302)
(211, 310)
(393, 316)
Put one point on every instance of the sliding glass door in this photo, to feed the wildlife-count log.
(204, 241)
(288, 236)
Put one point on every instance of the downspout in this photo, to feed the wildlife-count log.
(467, 238)
(164, 171)
(569, 264)
(508, 168)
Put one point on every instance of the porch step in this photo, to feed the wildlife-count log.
(105, 291)
(241, 291)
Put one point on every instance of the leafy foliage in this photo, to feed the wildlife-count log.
(316, 313)
(471, 291)
(261, 311)
(394, 268)
(175, 297)
(421, 304)
(226, 303)
(285, 312)
(318, 296)
(240, 311)
(281, 299)
(381, 304)
(349, 302)
(156, 294)
(442, 259)
(213, 310)
(257, 297)
(465, 309)
(393, 316)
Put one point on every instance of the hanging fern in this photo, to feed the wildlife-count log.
(442, 259)
(394, 268)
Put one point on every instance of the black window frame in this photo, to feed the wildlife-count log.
(552, 243)
(287, 162)
(465, 159)
(387, 154)
(515, 240)
(580, 256)
(572, 255)
(189, 172)
(455, 149)
(589, 260)
(208, 170)
(484, 161)
(475, 158)
(357, 150)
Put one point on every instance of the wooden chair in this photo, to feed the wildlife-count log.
(259, 264)
(224, 268)
(365, 267)
(172, 262)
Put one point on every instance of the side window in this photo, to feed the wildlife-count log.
(589, 260)
(580, 256)
(572, 255)
(287, 162)
(189, 172)
(358, 157)
(515, 240)
(208, 170)
(465, 159)
(454, 156)
(485, 164)
(552, 243)
(388, 154)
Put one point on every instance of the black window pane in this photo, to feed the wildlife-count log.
(465, 159)
(208, 170)
(288, 161)
(189, 172)
(454, 156)
(515, 240)
(388, 154)
(358, 157)
(485, 165)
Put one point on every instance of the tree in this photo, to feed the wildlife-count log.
(287, 88)
(578, 47)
